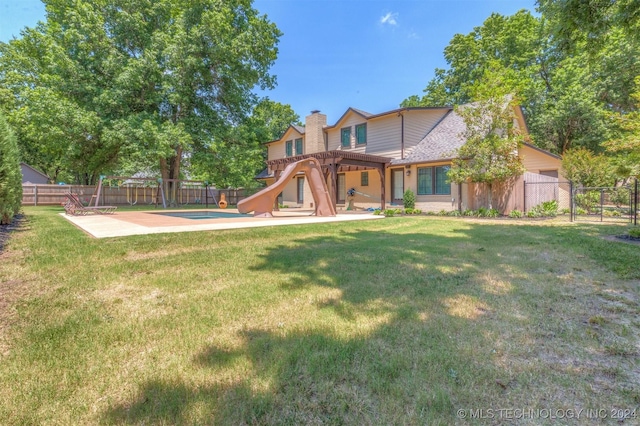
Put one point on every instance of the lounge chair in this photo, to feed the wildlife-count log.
(74, 206)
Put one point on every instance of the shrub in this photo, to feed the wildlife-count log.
(454, 213)
(620, 196)
(588, 201)
(544, 209)
(468, 212)
(550, 208)
(392, 212)
(634, 232)
(492, 213)
(10, 174)
(409, 199)
(515, 214)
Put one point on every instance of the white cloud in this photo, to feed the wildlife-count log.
(389, 18)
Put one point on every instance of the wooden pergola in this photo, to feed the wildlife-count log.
(334, 162)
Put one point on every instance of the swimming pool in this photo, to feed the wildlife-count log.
(199, 215)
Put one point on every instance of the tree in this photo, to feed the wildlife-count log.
(233, 160)
(585, 168)
(490, 153)
(10, 174)
(504, 41)
(625, 146)
(587, 23)
(160, 78)
(565, 95)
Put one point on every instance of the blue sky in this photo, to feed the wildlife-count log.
(336, 54)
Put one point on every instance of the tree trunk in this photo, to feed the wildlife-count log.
(170, 171)
(490, 195)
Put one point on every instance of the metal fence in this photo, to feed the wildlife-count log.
(606, 204)
(601, 204)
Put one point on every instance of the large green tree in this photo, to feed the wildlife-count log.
(566, 95)
(490, 152)
(579, 24)
(234, 159)
(10, 175)
(152, 79)
(624, 146)
(502, 41)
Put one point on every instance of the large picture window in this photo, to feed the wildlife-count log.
(345, 137)
(433, 180)
(289, 148)
(361, 134)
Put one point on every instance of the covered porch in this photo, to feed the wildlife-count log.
(336, 162)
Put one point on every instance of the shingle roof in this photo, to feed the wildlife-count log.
(265, 174)
(440, 143)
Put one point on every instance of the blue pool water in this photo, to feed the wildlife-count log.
(203, 215)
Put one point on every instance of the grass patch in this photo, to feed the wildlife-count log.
(402, 320)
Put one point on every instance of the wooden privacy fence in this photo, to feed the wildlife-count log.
(48, 195)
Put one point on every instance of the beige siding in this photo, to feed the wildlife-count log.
(351, 120)
(417, 124)
(290, 194)
(535, 161)
(384, 135)
(278, 149)
(372, 191)
(275, 150)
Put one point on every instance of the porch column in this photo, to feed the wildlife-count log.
(334, 182)
(381, 170)
(276, 175)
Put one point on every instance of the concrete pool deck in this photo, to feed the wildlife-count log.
(126, 223)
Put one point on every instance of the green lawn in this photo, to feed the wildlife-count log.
(404, 320)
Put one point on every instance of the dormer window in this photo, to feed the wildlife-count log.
(361, 134)
(345, 137)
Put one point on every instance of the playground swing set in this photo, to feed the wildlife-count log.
(153, 191)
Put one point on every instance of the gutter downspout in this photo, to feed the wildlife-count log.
(401, 135)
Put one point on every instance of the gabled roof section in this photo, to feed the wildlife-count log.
(351, 110)
(291, 128)
(446, 137)
(25, 165)
(369, 116)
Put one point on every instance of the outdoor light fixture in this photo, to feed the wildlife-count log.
(408, 172)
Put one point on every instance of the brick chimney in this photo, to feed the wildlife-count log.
(313, 134)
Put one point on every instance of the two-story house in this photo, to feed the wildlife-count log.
(382, 155)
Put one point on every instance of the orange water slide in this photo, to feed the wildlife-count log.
(261, 203)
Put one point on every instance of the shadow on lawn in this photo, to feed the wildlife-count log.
(428, 356)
